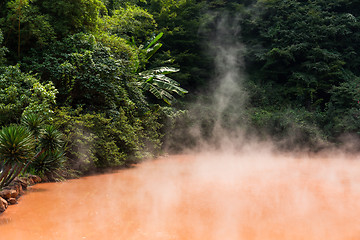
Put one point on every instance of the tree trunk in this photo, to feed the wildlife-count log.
(36, 156)
(17, 172)
(4, 173)
(11, 172)
(19, 37)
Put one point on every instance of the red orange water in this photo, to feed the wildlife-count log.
(245, 196)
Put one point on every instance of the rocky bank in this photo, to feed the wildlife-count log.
(10, 194)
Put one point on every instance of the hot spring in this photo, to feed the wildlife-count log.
(254, 194)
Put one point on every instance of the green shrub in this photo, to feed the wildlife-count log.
(290, 128)
(95, 140)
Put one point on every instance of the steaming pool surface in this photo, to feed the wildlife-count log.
(254, 195)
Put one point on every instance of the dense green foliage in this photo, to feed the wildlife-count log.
(77, 68)
(303, 55)
(105, 72)
(23, 93)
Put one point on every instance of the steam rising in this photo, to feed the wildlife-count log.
(218, 117)
(229, 96)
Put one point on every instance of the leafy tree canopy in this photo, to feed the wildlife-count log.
(23, 93)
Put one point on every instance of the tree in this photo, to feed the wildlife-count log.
(25, 26)
(131, 22)
(70, 17)
(20, 92)
(3, 51)
(38, 23)
(300, 57)
(298, 48)
(184, 41)
(82, 69)
(343, 109)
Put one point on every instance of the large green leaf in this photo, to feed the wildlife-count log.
(161, 86)
(160, 70)
(151, 51)
(155, 40)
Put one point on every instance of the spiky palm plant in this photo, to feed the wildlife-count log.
(51, 138)
(34, 122)
(16, 148)
(50, 165)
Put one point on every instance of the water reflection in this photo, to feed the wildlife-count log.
(4, 220)
(37, 189)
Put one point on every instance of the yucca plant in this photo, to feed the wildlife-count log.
(51, 138)
(50, 165)
(16, 149)
(18, 145)
(33, 122)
